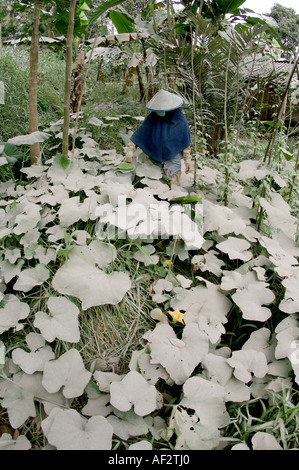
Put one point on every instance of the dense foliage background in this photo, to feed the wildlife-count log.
(171, 327)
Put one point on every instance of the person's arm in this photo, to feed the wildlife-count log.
(131, 148)
(187, 158)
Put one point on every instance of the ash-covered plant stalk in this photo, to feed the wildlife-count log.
(80, 97)
(193, 101)
(33, 114)
(68, 73)
(226, 126)
(296, 168)
(193, 46)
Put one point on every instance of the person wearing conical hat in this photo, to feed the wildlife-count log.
(164, 135)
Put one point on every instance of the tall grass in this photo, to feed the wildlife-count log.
(109, 99)
(14, 67)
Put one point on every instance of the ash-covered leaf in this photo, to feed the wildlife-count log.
(251, 293)
(10, 270)
(31, 277)
(205, 306)
(160, 287)
(283, 260)
(191, 433)
(252, 299)
(77, 180)
(28, 219)
(287, 336)
(146, 255)
(252, 169)
(148, 169)
(61, 322)
(105, 379)
(290, 302)
(208, 262)
(29, 139)
(67, 371)
(82, 277)
(265, 441)
(68, 430)
(236, 248)
(127, 424)
(72, 210)
(133, 390)
(12, 312)
(20, 405)
(248, 362)
(219, 371)
(178, 356)
(95, 121)
(33, 384)
(279, 215)
(207, 399)
(8, 443)
(259, 340)
(141, 445)
(99, 406)
(34, 171)
(38, 356)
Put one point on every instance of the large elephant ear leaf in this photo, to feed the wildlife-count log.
(82, 277)
(91, 285)
(29, 139)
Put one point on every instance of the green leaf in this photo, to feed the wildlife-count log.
(229, 6)
(83, 18)
(10, 151)
(272, 123)
(268, 123)
(61, 160)
(125, 166)
(84, 7)
(287, 155)
(191, 199)
(102, 8)
(122, 22)
(65, 251)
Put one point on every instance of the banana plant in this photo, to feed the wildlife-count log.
(102, 9)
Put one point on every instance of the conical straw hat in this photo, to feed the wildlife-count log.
(164, 101)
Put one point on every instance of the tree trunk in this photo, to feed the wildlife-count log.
(78, 95)
(33, 115)
(68, 74)
(0, 32)
(140, 83)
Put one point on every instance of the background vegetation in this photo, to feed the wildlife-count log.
(202, 52)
